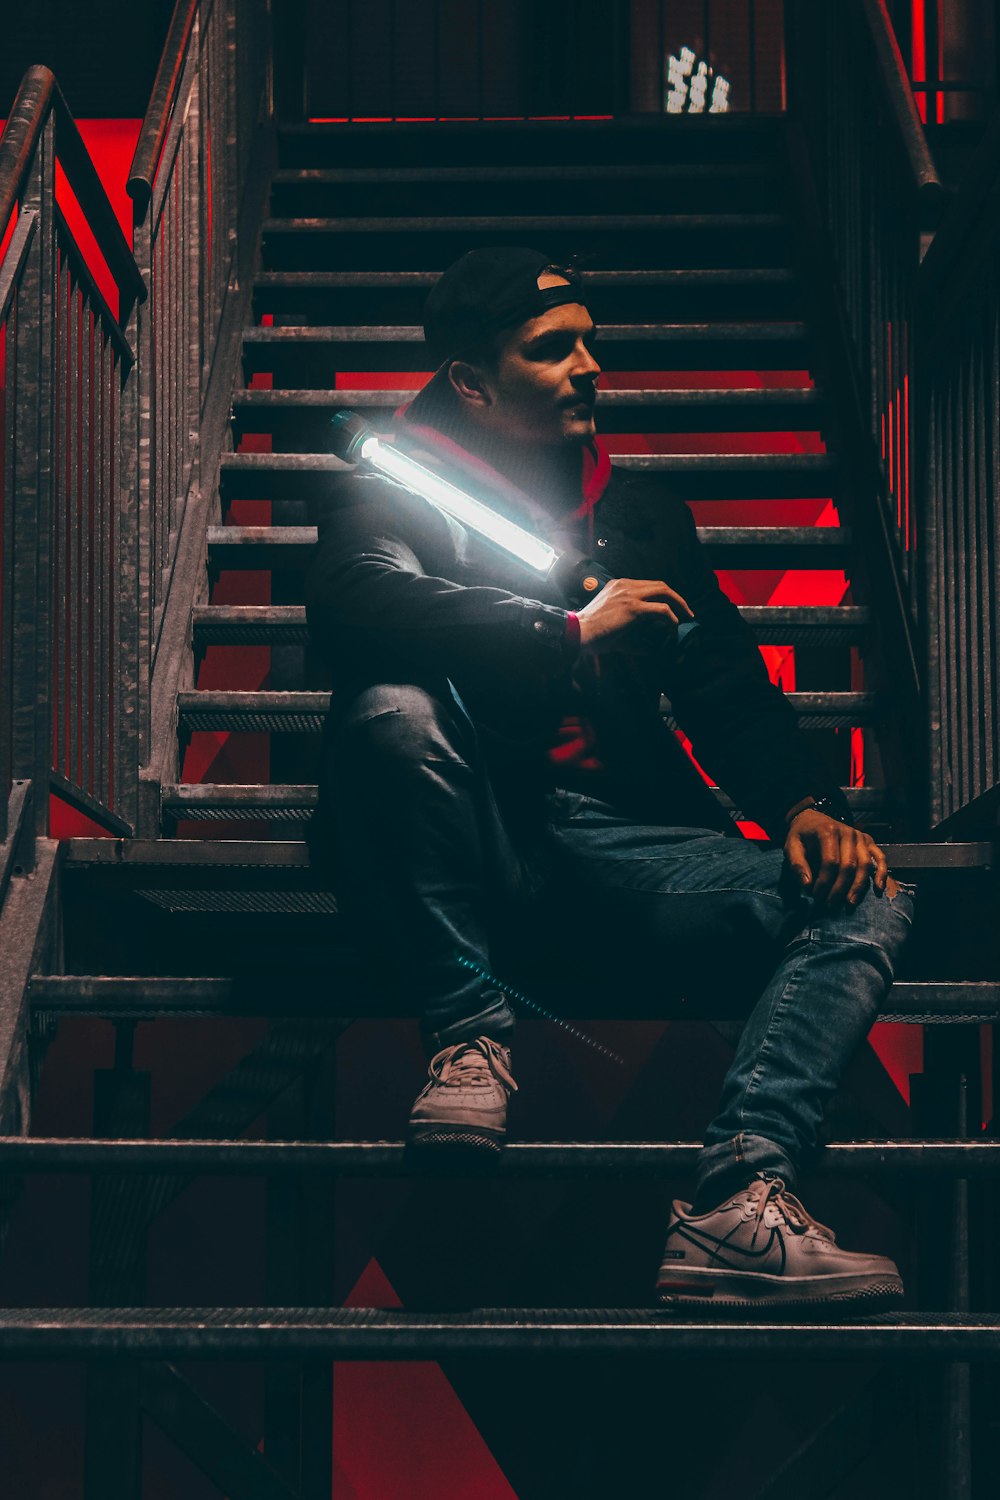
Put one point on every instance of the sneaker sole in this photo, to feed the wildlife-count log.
(743, 1289)
(476, 1138)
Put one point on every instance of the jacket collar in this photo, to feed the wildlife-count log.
(595, 466)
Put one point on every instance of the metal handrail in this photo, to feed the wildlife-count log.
(39, 96)
(965, 213)
(899, 94)
(958, 370)
(159, 113)
(69, 679)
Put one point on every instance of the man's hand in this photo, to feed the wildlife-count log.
(608, 623)
(834, 861)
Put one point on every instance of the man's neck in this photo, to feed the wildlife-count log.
(550, 475)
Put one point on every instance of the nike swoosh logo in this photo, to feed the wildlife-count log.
(720, 1251)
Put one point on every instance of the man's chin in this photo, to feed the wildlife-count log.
(579, 429)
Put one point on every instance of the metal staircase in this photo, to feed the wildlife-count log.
(696, 250)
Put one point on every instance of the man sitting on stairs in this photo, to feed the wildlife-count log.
(491, 752)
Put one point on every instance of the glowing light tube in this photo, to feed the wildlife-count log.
(455, 502)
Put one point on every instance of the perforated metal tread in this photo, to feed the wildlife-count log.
(665, 276)
(611, 333)
(370, 1333)
(306, 355)
(291, 547)
(501, 224)
(324, 295)
(227, 800)
(345, 983)
(292, 855)
(565, 1160)
(786, 625)
(306, 712)
(722, 476)
(641, 172)
(300, 418)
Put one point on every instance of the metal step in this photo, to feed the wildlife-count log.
(378, 1334)
(619, 187)
(285, 624)
(701, 476)
(649, 1161)
(397, 297)
(274, 859)
(224, 711)
(633, 138)
(228, 802)
(424, 241)
(306, 356)
(301, 419)
(344, 984)
(289, 548)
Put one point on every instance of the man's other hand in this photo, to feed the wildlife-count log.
(833, 861)
(609, 621)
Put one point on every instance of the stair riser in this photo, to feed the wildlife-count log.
(739, 484)
(230, 549)
(207, 633)
(550, 144)
(315, 365)
(340, 306)
(709, 192)
(308, 431)
(290, 563)
(433, 249)
(241, 721)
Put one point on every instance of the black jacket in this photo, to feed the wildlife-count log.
(400, 592)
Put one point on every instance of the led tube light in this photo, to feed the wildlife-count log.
(455, 502)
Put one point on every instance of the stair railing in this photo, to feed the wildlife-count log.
(102, 409)
(69, 656)
(923, 335)
(876, 191)
(186, 182)
(958, 415)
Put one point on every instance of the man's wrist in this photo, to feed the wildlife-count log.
(572, 638)
(832, 804)
(799, 807)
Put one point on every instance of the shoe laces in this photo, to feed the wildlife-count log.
(770, 1192)
(463, 1061)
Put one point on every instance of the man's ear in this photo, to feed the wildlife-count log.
(469, 384)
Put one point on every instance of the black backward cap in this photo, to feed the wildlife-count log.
(486, 291)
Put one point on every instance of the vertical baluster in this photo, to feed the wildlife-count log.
(978, 584)
(71, 596)
(60, 458)
(966, 568)
(116, 748)
(992, 660)
(661, 56)
(8, 379)
(163, 408)
(100, 566)
(173, 255)
(88, 707)
(190, 330)
(158, 395)
(752, 52)
(49, 408)
(956, 590)
(132, 677)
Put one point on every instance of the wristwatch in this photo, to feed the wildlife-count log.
(834, 805)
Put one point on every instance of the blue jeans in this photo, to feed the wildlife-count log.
(427, 863)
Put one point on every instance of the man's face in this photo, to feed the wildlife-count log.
(542, 389)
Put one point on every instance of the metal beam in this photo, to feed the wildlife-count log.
(198, 1430)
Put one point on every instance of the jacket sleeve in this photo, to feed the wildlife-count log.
(370, 598)
(742, 728)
